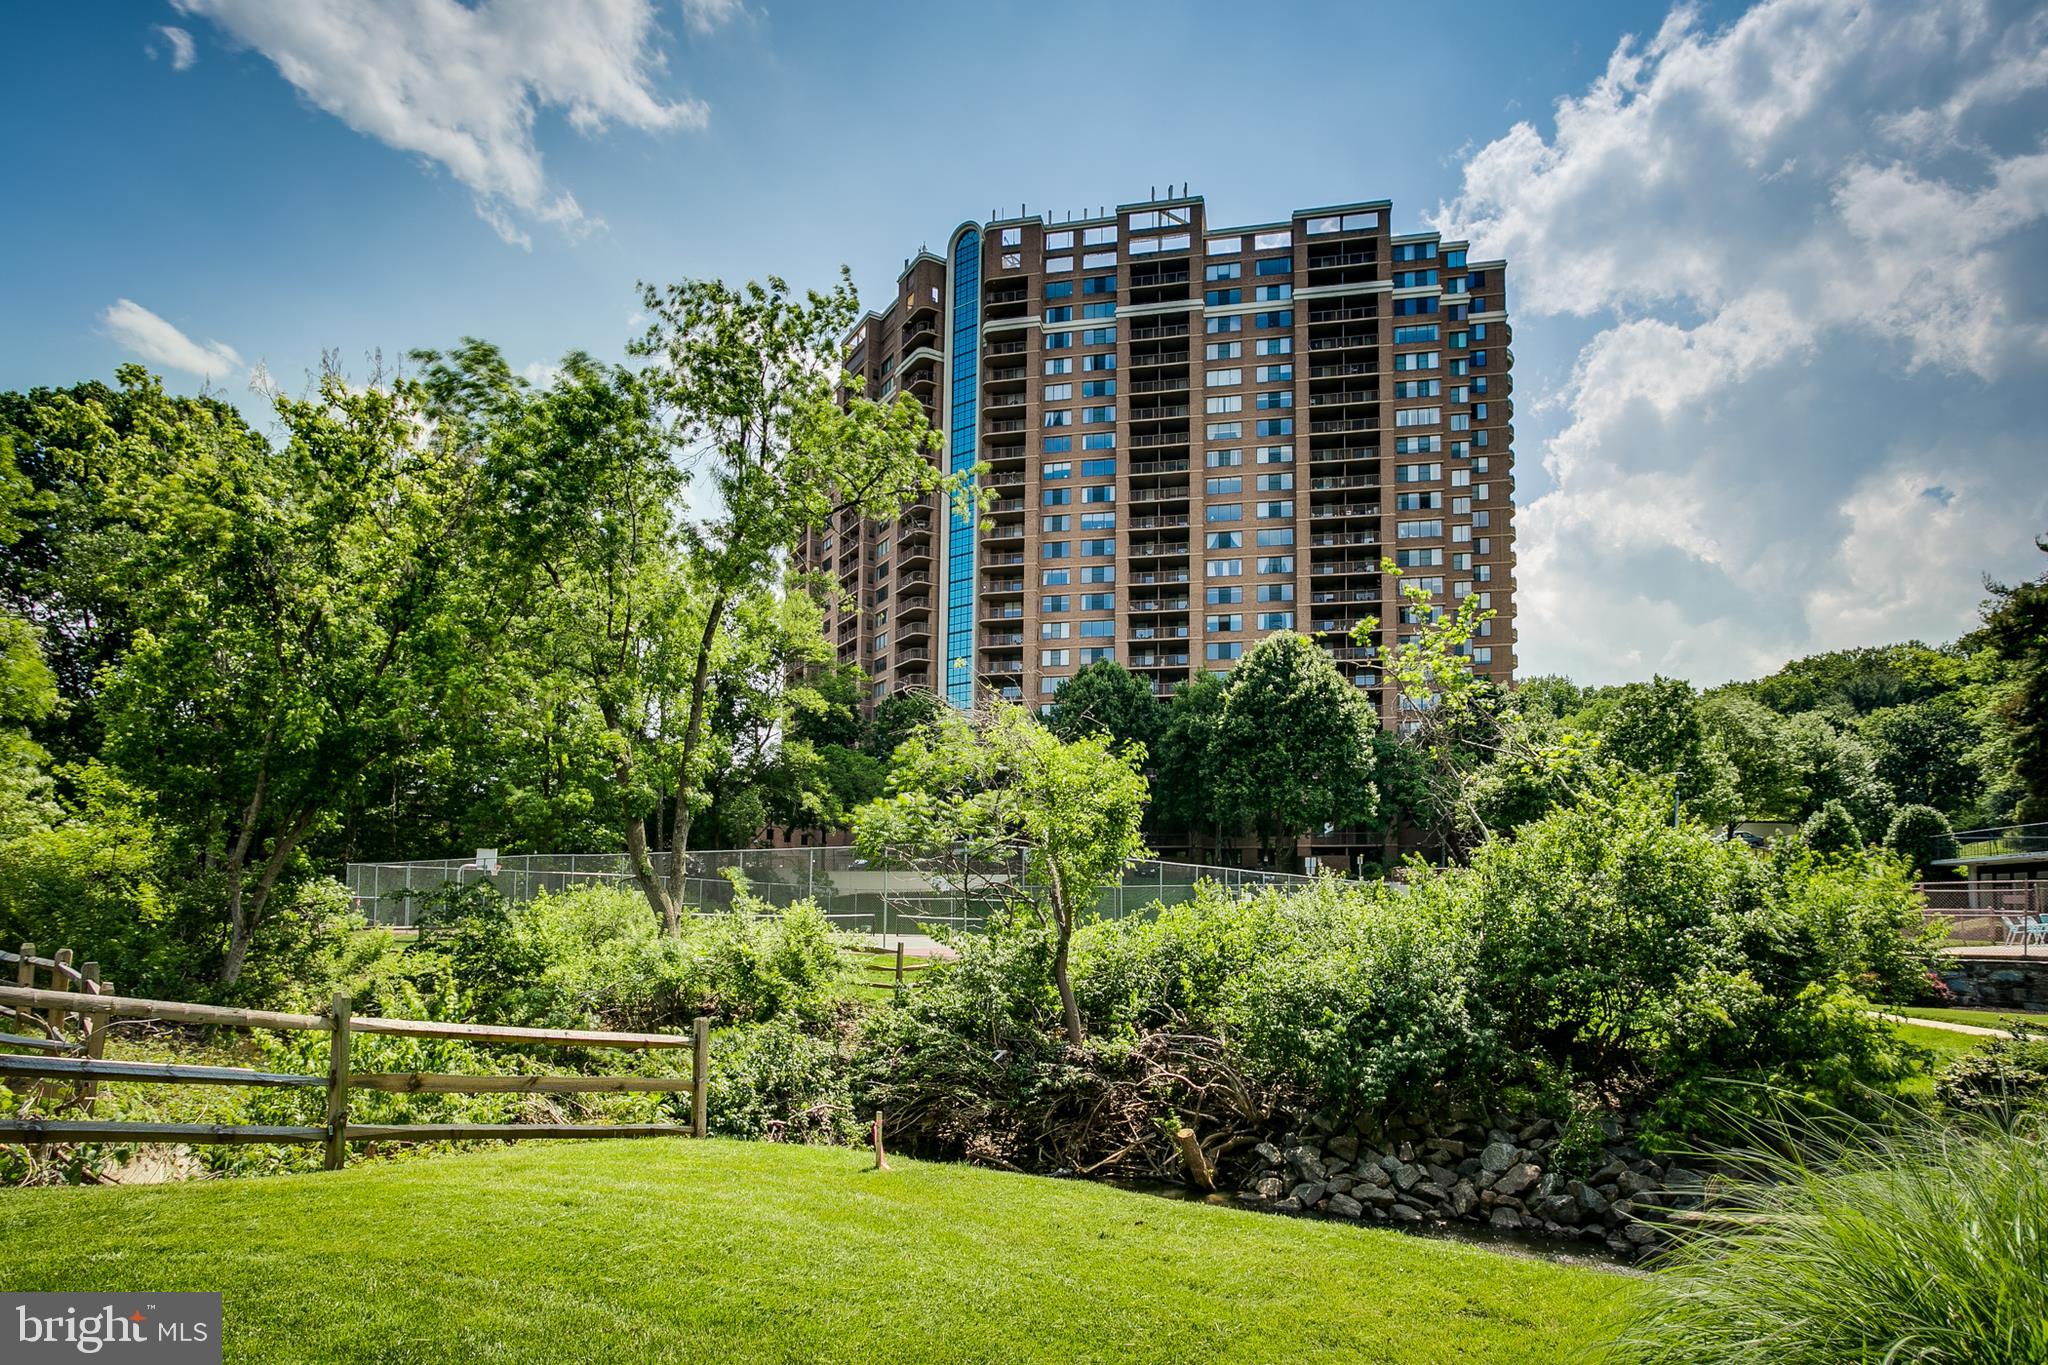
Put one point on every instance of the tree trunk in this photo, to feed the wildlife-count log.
(693, 735)
(1063, 926)
(243, 921)
(650, 884)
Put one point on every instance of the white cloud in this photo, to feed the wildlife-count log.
(461, 84)
(161, 343)
(183, 51)
(1814, 244)
(708, 16)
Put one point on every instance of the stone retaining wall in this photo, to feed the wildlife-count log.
(2006, 983)
(1466, 1171)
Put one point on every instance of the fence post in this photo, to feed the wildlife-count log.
(899, 967)
(60, 980)
(92, 1028)
(700, 1073)
(337, 1083)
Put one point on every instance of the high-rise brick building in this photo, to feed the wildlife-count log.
(1197, 435)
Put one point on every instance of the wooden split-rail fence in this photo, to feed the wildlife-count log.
(62, 1024)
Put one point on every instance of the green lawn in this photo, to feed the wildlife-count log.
(671, 1250)
(1945, 1044)
(1980, 1018)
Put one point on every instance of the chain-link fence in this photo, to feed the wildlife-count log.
(1991, 914)
(855, 894)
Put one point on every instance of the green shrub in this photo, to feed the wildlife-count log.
(1928, 1245)
(1831, 829)
(773, 1080)
(1921, 834)
(2006, 1077)
(594, 956)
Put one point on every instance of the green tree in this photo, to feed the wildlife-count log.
(1294, 744)
(1752, 738)
(28, 690)
(1922, 835)
(2015, 633)
(1656, 727)
(750, 380)
(1186, 778)
(1831, 763)
(1925, 752)
(1000, 787)
(1107, 698)
(1831, 830)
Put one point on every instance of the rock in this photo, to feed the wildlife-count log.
(1540, 1128)
(1633, 1183)
(1442, 1175)
(1402, 1213)
(1374, 1175)
(1448, 1149)
(1639, 1234)
(1389, 1164)
(1557, 1208)
(1407, 1177)
(1591, 1201)
(1287, 1206)
(1267, 1153)
(1344, 1147)
(1337, 1167)
(1378, 1198)
(1607, 1174)
(1406, 1151)
(1552, 1183)
(1307, 1193)
(1341, 1184)
(1505, 1219)
(1428, 1189)
(1497, 1157)
(1684, 1178)
(1306, 1165)
(1516, 1179)
(1272, 1187)
(1464, 1198)
(1344, 1206)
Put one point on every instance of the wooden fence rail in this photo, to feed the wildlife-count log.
(77, 997)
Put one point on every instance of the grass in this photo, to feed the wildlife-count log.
(1999, 1019)
(1927, 1245)
(664, 1250)
(1945, 1045)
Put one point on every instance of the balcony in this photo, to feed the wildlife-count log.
(1015, 347)
(1012, 612)
(1160, 413)
(1340, 397)
(1341, 258)
(1178, 493)
(1151, 604)
(1344, 452)
(1325, 425)
(1155, 523)
(1008, 559)
(1340, 368)
(1158, 467)
(1344, 341)
(1171, 384)
(1159, 660)
(1337, 596)
(1003, 587)
(999, 638)
(1159, 576)
(1345, 509)
(1325, 568)
(1003, 479)
(1323, 539)
(1343, 312)
(1159, 632)
(1006, 424)
(1159, 549)
(1158, 358)
(1158, 330)
(1152, 440)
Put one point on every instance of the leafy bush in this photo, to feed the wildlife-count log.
(1831, 829)
(2006, 1077)
(1923, 1246)
(1355, 993)
(773, 1080)
(1922, 835)
(595, 956)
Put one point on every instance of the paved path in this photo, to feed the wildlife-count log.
(1946, 1025)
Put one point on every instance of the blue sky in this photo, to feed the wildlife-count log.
(1708, 487)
